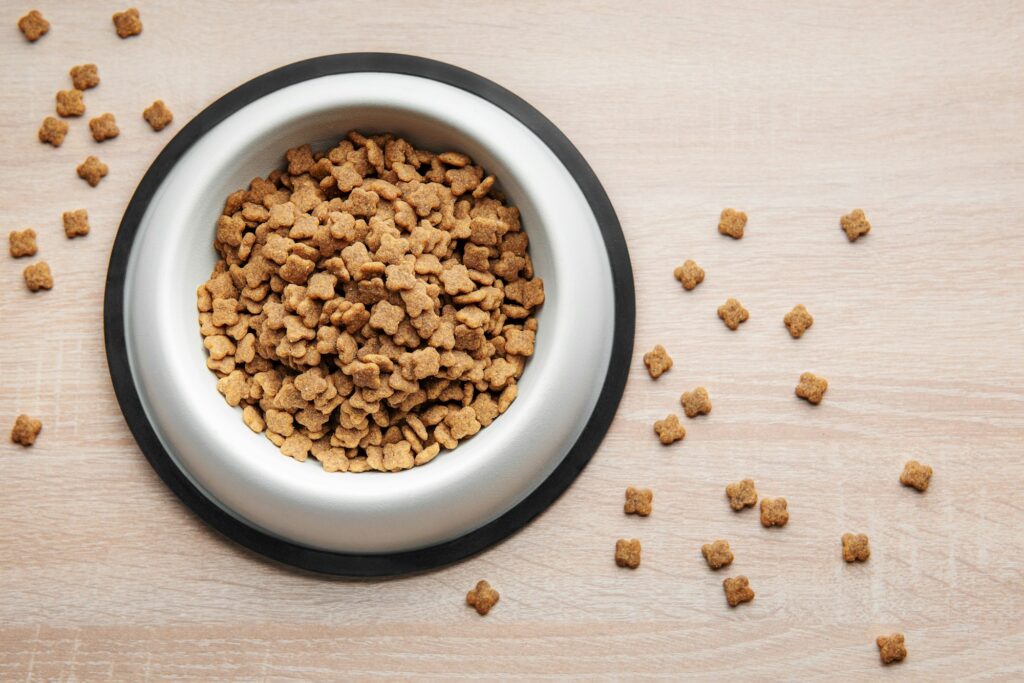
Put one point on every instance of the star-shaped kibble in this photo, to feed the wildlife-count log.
(658, 361)
(856, 548)
(855, 224)
(638, 501)
(696, 402)
(669, 430)
(689, 274)
(717, 554)
(627, 553)
(916, 475)
(774, 512)
(891, 648)
(798, 321)
(737, 590)
(742, 494)
(482, 598)
(733, 314)
(732, 222)
(812, 388)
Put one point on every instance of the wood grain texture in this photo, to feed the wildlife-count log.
(794, 113)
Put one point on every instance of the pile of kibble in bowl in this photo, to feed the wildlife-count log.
(373, 304)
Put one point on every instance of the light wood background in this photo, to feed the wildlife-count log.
(794, 112)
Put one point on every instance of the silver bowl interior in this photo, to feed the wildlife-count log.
(368, 513)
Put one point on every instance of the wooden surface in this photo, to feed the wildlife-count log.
(795, 113)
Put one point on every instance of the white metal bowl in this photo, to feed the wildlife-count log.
(369, 523)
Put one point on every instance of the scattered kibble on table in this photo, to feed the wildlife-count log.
(732, 223)
(737, 590)
(482, 597)
(70, 103)
(733, 314)
(798, 321)
(669, 430)
(916, 475)
(33, 26)
(92, 170)
(774, 512)
(657, 361)
(717, 554)
(84, 76)
(638, 501)
(37, 276)
(53, 131)
(104, 127)
(741, 494)
(891, 648)
(25, 430)
(811, 388)
(689, 274)
(22, 242)
(856, 547)
(627, 553)
(855, 224)
(696, 402)
(127, 23)
(76, 223)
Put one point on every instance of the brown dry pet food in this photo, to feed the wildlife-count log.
(737, 590)
(33, 26)
(70, 103)
(53, 131)
(127, 23)
(812, 388)
(157, 115)
(798, 321)
(25, 430)
(717, 554)
(856, 548)
(84, 76)
(689, 274)
(855, 224)
(22, 242)
(37, 276)
(367, 306)
(658, 361)
(732, 222)
(669, 430)
(916, 475)
(774, 512)
(891, 648)
(76, 223)
(638, 501)
(482, 598)
(92, 170)
(627, 553)
(103, 127)
(733, 314)
(696, 402)
(742, 494)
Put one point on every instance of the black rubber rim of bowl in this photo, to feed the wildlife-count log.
(357, 565)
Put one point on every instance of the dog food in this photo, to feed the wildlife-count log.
(33, 26)
(658, 361)
(737, 590)
(856, 548)
(696, 402)
(127, 23)
(689, 274)
(811, 388)
(157, 115)
(37, 276)
(25, 430)
(22, 242)
(774, 512)
(84, 76)
(627, 553)
(732, 222)
(733, 314)
(53, 131)
(798, 321)
(891, 648)
(368, 306)
(669, 430)
(76, 223)
(638, 501)
(855, 224)
(103, 127)
(741, 494)
(916, 475)
(482, 598)
(70, 103)
(717, 554)
(92, 170)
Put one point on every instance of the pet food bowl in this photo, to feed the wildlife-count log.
(368, 524)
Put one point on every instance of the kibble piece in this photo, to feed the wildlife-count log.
(856, 548)
(37, 276)
(84, 76)
(774, 512)
(891, 648)
(76, 223)
(916, 475)
(92, 170)
(53, 131)
(855, 224)
(658, 361)
(638, 501)
(812, 388)
(157, 115)
(669, 430)
(742, 494)
(482, 598)
(127, 23)
(733, 314)
(696, 402)
(70, 103)
(798, 321)
(732, 222)
(33, 26)
(25, 430)
(103, 127)
(689, 274)
(627, 553)
(737, 590)
(22, 242)
(717, 554)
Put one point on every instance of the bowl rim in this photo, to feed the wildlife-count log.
(406, 562)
